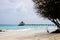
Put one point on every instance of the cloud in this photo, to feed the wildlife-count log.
(15, 11)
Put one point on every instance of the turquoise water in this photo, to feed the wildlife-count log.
(25, 27)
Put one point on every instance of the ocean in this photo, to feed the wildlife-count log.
(49, 26)
(29, 28)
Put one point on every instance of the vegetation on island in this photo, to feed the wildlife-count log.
(49, 9)
(21, 23)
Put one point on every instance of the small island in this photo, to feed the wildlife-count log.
(21, 23)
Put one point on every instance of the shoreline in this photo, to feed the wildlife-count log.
(36, 36)
(28, 34)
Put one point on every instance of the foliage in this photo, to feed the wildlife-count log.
(21, 23)
(49, 9)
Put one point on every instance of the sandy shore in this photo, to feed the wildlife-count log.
(36, 36)
(43, 37)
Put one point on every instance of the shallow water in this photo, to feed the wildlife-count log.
(26, 27)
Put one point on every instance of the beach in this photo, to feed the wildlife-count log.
(28, 34)
(37, 36)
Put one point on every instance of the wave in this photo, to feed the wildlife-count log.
(18, 30)
(27, 31)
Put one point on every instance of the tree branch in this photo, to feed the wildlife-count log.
(55, 22)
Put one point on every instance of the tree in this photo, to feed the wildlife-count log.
(49, 9)
(21, 23)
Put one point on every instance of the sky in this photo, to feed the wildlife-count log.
(15, 11)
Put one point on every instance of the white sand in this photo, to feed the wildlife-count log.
(28, 34)
(24, 36)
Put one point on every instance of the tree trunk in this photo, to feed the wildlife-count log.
(55, 21)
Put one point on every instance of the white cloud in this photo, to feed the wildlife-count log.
(14, 11)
